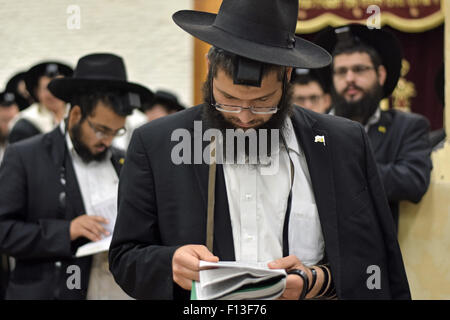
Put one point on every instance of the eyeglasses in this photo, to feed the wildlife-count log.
(313, 99)
(237, 109)
(102, 133)
(358, 70)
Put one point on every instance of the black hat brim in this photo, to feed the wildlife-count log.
(66, 88)
(200, 25)
(384, 42)
(32, 76)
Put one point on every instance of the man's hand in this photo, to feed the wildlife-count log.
(89, 227)
(294, 284)
(185, 264)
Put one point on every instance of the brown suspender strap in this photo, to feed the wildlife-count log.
(211, 197)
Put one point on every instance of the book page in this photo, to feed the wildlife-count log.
(108, 210)
(94, 247)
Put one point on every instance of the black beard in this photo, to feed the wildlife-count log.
(82, 150)
(360, 110)
(212, 118)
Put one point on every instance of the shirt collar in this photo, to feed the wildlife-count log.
(372, 120)
(290, 138)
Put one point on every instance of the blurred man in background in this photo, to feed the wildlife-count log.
(8, 110)
(42, 228)
(309, 91)
(47, 111)
(163, 104)
(365, 69)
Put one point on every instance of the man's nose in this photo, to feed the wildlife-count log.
(245, 116)
(350, 76)
(107, 140)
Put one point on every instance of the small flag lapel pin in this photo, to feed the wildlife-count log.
(320, 139)
(382, 129)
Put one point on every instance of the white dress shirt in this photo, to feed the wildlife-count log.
(258, 204)
(98, 182)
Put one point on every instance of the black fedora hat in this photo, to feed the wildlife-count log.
(382, 41)
(98, 71)
(7, 98)
(46, 68)
(261, 30)
(169, 99)
(13, 86)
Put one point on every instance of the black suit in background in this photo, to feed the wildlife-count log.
(162, 206)
(35, 225)
(22, 130)
(402, 149)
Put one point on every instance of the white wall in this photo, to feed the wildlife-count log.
(157, 53)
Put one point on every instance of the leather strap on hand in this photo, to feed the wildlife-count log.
(302, 274)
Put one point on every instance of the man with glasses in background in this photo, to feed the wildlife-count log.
(365, 70)
(59, 190)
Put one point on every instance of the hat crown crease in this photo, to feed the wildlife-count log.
(255, 32)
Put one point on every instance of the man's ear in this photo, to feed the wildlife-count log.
(289, 73)
(74, 116)
(382, 74)
(327, 100)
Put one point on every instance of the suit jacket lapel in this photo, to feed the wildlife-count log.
(223, 236)
(117, 160)
(320, 166)
(56, 144)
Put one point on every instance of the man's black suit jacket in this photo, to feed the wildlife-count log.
(23, 129)
(400, 143)
(35, 225)
(162, 206)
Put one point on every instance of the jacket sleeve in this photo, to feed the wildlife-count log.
(409, 176)
(398, 283)
(137, 260)
(19, 237)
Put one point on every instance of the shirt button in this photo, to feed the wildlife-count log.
(248, 196)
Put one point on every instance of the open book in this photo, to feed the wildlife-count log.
(228, 280)
(106, 208)
(94, 247)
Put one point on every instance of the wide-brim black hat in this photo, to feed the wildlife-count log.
(13, 86)
(98, 71)
(261, 30)
(382, 41)
(46, 68)
(168, 98)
